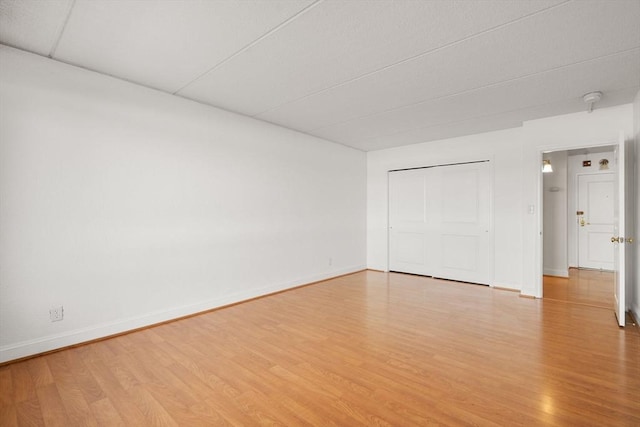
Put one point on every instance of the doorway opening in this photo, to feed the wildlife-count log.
(578, 222)
(582, 286)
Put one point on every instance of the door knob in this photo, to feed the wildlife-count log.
(617, 239)
(629, 239)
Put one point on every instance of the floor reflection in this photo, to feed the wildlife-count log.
(590, 287)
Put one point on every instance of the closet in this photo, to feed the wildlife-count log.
(440, 221)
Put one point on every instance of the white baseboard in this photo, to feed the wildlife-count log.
(509, 286)
(78, 336)
(556, 272)
(635, 309)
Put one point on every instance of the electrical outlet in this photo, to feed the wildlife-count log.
(56, 314)
(330, 261)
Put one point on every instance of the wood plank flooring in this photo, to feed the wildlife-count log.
(591, 287)
(365, 349)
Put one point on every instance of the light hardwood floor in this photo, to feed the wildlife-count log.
(591, 287)
(365, 349)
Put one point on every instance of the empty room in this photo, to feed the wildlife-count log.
(319, 212)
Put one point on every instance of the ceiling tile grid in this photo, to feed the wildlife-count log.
(165, 44)
(368, 74)
(338, 41)
(488, 123)
(33, 25)
(509, 52)
(612, 73)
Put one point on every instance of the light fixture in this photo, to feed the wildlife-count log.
(604, 164)
(591, 98)
(546, 166)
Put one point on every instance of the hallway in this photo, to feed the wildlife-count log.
(588, 287)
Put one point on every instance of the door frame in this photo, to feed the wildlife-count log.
(539, 264)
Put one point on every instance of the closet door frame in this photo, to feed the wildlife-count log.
(485, 273)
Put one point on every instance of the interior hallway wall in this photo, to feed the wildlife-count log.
(565, 132)
(516, 156)
(555, 198)
(129, 206)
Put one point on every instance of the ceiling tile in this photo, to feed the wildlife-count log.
(509, 52)
(608, 74)
(166, 44)
(502, 120)
(32, 25)
(342, 40)
(369, 74)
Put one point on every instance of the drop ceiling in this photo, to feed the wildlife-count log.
(366, 74)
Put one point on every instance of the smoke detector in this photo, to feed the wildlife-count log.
(591, 98)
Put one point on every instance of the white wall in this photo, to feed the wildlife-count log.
(516, 157)
(130, 206)
(555, 199)
(635, 286)
(575, 168)
(502, 148)
(552, 134)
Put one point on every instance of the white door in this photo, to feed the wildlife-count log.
(439, 221)
(462, 245)
(618, 238)
(408, 233)
(595, 220)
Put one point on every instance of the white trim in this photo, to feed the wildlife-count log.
(556, 272)
(635, 309)
(78, 336)
(509, 286)
(387, 222)
(492, 228)
(539, 256)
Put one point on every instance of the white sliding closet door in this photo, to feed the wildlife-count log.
(439, 219)
(409, 223)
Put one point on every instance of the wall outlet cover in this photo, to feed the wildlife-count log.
(56, 314)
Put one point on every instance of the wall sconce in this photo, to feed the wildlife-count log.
(546, 166)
